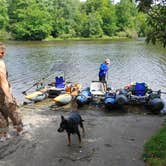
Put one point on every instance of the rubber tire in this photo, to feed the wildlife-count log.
(156, 105)
(121, 99)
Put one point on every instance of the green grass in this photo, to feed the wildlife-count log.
(155, 149)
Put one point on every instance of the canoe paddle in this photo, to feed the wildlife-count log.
(24, 92)
(37, 83)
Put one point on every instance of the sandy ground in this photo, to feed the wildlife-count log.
(110, 140)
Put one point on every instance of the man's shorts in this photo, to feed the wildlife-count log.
(102, 79)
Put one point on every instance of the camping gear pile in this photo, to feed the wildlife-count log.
(63, 92)
(131, 94)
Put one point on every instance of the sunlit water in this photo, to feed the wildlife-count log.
(131, 61)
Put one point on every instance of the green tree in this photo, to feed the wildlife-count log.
(126, 12)
(91, 25)
(93, 6)
(156, 20)
(80, 23)
(29, 20)
(95, 22)
(141, 25)
(3, 14)
(64, 14)
(108, 16)
(106, 12)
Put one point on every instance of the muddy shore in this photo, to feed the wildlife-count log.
(114, 139)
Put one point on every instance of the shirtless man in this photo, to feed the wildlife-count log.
(8, 105)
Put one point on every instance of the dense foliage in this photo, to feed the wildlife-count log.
(39, 19)
(156, 20)
(3, 14)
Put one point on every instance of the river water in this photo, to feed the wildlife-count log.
(131, 61)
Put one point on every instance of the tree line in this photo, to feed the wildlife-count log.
(40, 19)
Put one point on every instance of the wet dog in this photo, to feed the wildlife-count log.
(71, 125)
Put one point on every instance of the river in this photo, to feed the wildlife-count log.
(131, 61)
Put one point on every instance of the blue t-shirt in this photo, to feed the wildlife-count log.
(103, 70)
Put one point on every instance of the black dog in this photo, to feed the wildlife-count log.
(71, 125)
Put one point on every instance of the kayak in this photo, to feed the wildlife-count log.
(37, 96)
(63, 99)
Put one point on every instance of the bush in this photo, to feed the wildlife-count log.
(131, 33)
(4, 35)
(121, 34)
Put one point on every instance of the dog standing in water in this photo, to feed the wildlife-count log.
(71, 126)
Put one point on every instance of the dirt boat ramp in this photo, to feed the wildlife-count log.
(111, 139)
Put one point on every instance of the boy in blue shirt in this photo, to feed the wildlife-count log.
(103, 71)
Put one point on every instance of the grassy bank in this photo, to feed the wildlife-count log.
(86, 39)
(155, 149)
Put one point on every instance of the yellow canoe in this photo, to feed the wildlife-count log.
(32, 95)
(37, 95)
(63, 99)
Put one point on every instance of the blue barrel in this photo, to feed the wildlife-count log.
(110, 100)
(83, 97)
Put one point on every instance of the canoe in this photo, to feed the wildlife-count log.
(37, 96)
(63, 99)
